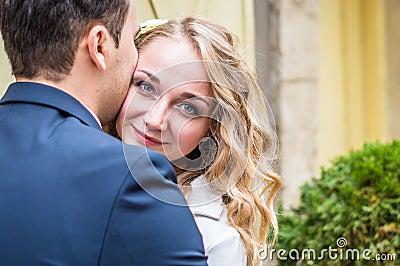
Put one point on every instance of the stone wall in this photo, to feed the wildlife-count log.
(392, 9)
(298, 94)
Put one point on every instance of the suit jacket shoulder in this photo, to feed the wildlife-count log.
(68, 196)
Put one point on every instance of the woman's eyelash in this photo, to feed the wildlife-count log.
(146, 87)
(139, 83)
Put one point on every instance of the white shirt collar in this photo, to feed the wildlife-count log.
(93, 114)
(203, 201)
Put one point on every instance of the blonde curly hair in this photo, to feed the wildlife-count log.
(246, 143)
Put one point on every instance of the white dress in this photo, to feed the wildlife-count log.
(222, 242)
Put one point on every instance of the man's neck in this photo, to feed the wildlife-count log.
(64, 87)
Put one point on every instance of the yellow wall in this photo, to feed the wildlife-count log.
(236, 15)
(5, 70)
(352, 103)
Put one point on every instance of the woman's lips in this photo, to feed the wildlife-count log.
(147, 140)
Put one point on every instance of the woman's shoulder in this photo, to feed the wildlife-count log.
(204, 202)
(215, 231)
(219, 237)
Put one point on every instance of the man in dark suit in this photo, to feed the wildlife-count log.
(67, 194)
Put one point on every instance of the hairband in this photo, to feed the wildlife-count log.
(148, 25)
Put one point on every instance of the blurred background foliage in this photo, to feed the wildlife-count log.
(356, 198)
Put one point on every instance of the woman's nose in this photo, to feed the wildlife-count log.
(157, 116)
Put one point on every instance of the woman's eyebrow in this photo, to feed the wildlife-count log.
(188, 95)
(149, 75)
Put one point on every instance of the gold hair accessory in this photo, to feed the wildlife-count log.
(150, 24)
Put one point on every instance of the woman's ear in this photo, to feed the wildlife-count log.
(99, 41)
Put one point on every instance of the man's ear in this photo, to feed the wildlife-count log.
(99, 41)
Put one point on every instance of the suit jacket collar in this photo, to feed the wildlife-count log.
(37, 93)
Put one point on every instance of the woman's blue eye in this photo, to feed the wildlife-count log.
(190, 109)
(144, 86)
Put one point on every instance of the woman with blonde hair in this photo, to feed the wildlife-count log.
(194, 99)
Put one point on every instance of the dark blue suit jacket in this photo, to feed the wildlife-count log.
(67, 196)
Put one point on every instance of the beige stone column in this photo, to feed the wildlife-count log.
(299, 29)
(392, 16)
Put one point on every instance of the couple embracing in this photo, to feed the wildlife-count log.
(190, 182)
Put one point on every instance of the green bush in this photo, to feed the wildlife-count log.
(356, 200)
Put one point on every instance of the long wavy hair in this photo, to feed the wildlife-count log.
(246, 143)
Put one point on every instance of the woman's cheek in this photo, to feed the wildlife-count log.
(190, 136)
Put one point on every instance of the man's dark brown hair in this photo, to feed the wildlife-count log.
(41, 37)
